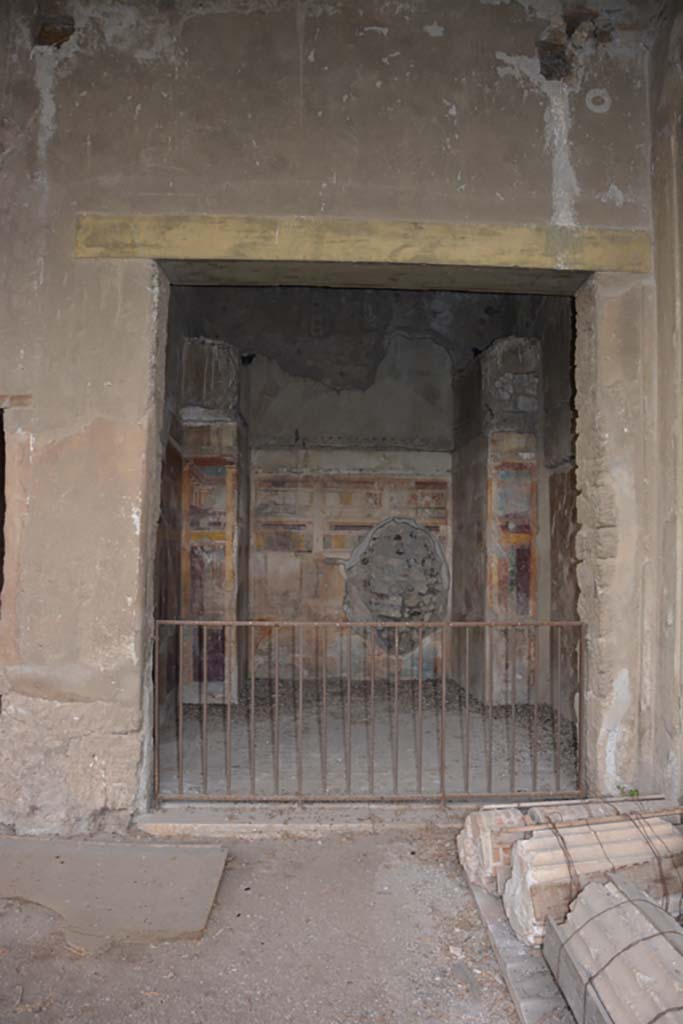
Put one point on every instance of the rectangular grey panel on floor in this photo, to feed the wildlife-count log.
(115, 891)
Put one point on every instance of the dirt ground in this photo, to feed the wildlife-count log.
(373, 929)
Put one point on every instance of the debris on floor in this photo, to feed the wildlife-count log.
(618, 957)
(612, 871)
(552, 867)
(484, 846)
(485, 842)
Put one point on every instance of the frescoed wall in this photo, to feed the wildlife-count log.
(512, 525)
(307, 518)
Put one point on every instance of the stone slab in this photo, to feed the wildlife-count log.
(115, 890)
(532, 987)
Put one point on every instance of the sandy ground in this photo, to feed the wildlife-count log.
(375, 929)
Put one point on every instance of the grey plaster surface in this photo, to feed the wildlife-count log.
(349, 930)
(114, 891)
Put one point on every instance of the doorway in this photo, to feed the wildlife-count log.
(366, 573)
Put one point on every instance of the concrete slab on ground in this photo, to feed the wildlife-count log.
(532, 987)
(114, 891)
(221, 821)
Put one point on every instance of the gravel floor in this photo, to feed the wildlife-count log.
(376, 929)
(481, 744)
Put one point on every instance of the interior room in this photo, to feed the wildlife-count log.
(367, 525)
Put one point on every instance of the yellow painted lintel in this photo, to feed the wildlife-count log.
(317, 239)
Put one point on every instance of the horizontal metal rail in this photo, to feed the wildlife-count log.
(386, 711)
(390, 798)
(378, 624)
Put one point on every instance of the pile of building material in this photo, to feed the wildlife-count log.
(549, 869)
(577, 810)
(618, 958)
(486, 840)
(484, 845)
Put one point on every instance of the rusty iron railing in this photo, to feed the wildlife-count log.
(367, 711)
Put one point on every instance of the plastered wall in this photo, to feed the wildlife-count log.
(660, 712)
(411, 109)
(346, 368)
(617, 464)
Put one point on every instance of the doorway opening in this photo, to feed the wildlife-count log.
(365, 570)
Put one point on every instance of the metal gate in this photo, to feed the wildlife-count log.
(367, 711)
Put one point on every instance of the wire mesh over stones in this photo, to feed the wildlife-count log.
(398, 573)
(618, 957)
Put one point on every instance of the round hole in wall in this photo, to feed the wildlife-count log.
(598, 101)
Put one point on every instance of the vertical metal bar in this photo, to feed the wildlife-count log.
(420, 686)
(347, 710)
(555, 690)
(227, 675)
(505, 633)
(388, 687)
(581, 662)
(506, 648)
(323, 738)
(181, 711)
(513, 710)
(157, 716)
(488, 691)
(371, 761)
(252, 709)
(205, 712)
(534, 724)
(300, 717)
(276, 711)
(442, 716)
(466, 734)
(396, 718)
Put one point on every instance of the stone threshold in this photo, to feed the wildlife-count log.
(211, 821)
